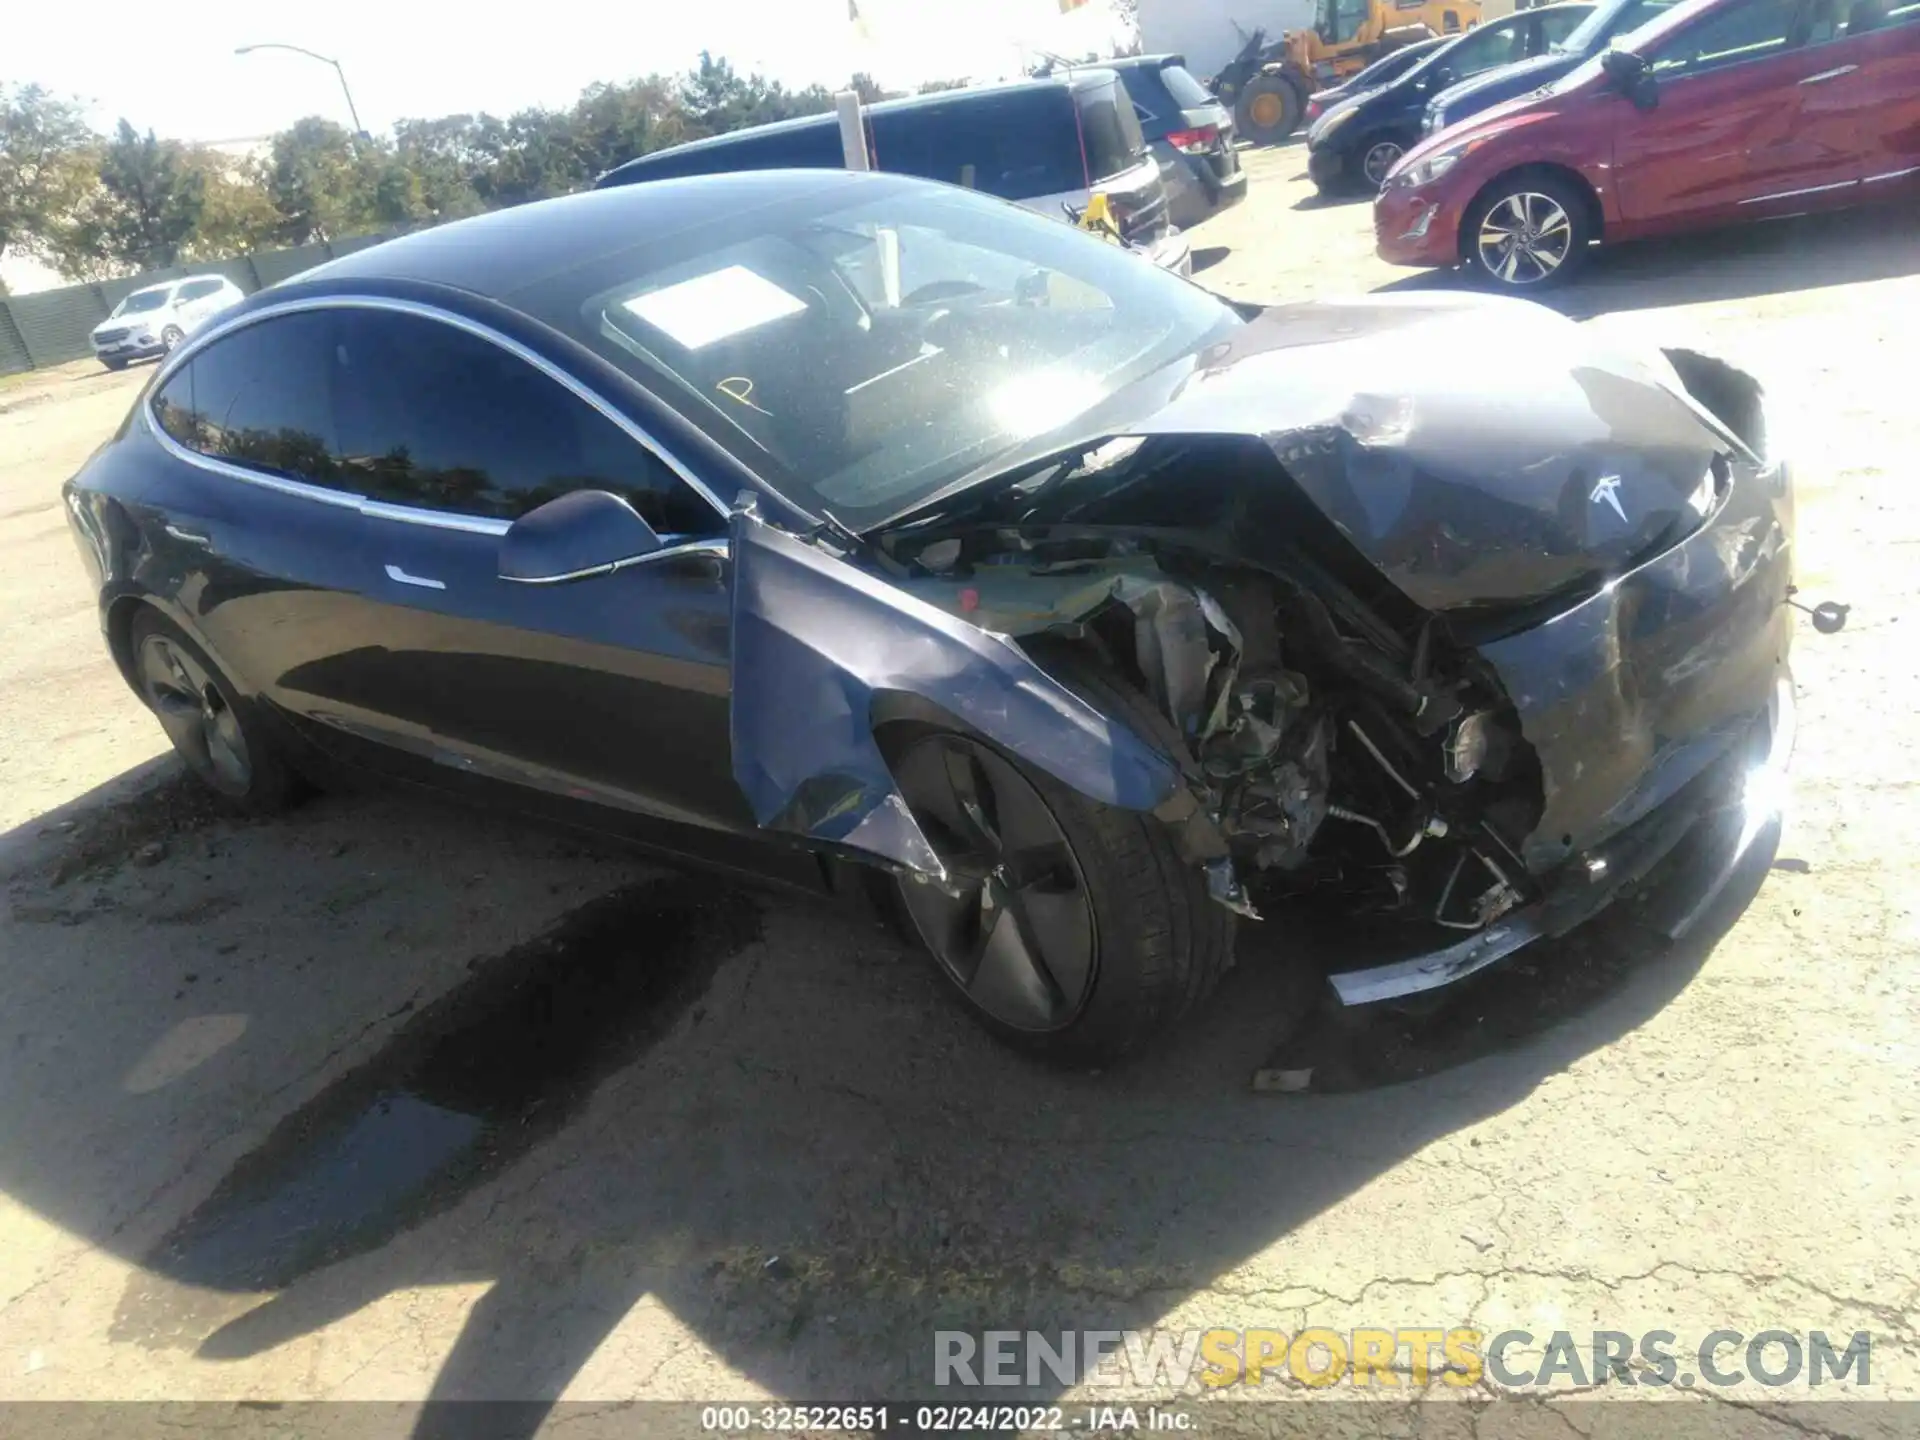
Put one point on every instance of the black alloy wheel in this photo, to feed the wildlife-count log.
(218, 735)
(1379, 158)
(1013, 927)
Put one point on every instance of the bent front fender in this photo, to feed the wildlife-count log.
(822, 650)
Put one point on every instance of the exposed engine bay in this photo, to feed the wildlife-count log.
(1330, 758)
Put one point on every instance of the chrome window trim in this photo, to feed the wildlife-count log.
(718, 547)
(381, 509)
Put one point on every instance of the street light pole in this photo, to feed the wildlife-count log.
(358, 128)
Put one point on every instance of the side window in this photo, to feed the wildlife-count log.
(259, 397)
(1110, 132)
(197, 290)
(1867, 15)
(1841, 19)
(1750, 30)
(1496, 45)
(432, 417)
(1631, 17)
(1557, 24)
(1014, 146)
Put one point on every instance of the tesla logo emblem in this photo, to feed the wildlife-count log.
(1609, 490)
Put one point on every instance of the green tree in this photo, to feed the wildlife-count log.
(46, 166)
(236, 213)
(315, 180)
(154, 197)
(447, 163)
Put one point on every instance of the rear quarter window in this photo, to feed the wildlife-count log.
(1110, 130)
(1186, 91)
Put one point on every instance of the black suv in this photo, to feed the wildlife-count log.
(1190, 132)
(1045, 143)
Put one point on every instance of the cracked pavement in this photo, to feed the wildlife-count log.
(813, 1161)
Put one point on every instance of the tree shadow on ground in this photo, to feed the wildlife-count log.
(589, 1085)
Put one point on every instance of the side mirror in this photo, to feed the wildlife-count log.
(1629, 72)
(584, 533)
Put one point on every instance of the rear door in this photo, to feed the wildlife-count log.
(1889, 34)
(1744, 114)
(256, 536)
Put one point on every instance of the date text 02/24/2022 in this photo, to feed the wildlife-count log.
(939, 1419)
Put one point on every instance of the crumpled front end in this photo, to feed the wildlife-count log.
(1453, 672)
(826, 654)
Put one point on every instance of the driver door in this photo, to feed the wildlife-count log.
(610, 690)
(1750, 117)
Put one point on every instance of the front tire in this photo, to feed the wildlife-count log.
(1268, 110)
(171, 337)
(1373, 160)
(1527, 232)
(222, 738)
(1074, 931)
(114, 364)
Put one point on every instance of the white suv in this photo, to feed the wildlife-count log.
(154, 320)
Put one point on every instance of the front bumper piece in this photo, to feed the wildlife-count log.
(1723, 812)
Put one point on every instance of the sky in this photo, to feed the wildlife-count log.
(172, 68)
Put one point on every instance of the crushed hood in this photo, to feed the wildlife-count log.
(1480, 452)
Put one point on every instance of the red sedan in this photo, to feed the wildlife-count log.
(1718, 111)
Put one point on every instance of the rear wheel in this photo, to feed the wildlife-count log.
(223, 739)
(1268, 110)
(1070, 929)
(1527, 232)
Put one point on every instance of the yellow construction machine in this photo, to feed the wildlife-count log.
(1267, 85)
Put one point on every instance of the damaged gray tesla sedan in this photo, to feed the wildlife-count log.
(834, 526)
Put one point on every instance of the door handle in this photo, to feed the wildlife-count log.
(1833, 74)
(424, 582)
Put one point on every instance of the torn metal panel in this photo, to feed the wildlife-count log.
(822, 650)
(1628, 695)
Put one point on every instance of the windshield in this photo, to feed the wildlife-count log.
(1618, 19)
(141, 300)
(861, 358)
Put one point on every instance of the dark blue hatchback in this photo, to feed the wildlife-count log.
(1608, 21)
(1356, 143)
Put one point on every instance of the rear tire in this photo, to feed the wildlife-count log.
(1158, 942)
(223, 739)
(1268, 110)
(1548, 228)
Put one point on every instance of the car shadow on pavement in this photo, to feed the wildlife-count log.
(1775, 257)
(293, 1067)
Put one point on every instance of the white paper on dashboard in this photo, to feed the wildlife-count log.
(714, 306)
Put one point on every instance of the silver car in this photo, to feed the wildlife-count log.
(152, 320)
